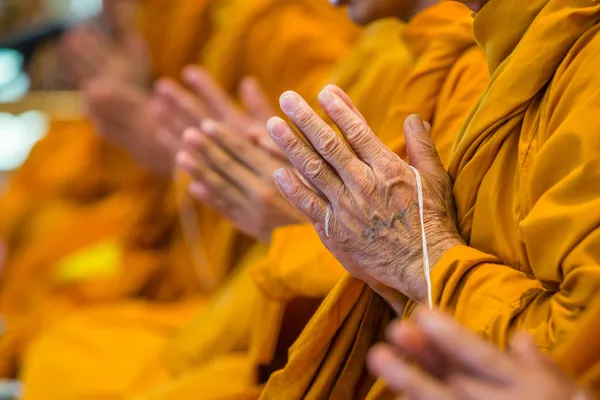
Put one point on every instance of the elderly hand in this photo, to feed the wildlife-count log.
(122, 115)
(181, 108)
(373, 225)
(234, 176)
(453, 363)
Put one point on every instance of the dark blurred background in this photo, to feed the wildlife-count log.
(31, 88)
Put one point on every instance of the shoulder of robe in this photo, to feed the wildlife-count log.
(572, 100)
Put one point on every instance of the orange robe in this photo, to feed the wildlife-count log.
(525, 166)
(579, 355)
(328, 360)
(298, 266)
(130, 244)
(131, 325)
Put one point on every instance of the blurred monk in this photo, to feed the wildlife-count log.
(130, 246)
(128, 333)
(231, 163)
(507, 235)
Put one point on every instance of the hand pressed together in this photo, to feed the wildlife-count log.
(433, 357)
(372, 225)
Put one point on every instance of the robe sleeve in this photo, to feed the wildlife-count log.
(558, 233)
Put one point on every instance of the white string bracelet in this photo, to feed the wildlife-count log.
(424, 238)
(327, 217)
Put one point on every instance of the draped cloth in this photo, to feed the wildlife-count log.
(155, 234)
(446, 77)
(524, 167)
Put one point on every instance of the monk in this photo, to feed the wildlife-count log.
(135, 249)
(505, 240)
(142, 326)
(239, 187)
(433, 357)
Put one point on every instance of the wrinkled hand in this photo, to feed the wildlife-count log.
(455, 364)
(234, 176)
(122, 115)
(181, 108)
(88, 53)
(374, 228)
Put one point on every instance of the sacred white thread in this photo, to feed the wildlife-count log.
(327, 217)
(424, 238)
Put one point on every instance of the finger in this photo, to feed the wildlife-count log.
(420, 147)
(269, 145)
(415, 345)
(255, 101)
(253, 157)
(203, 84)
(356, 131)
(187, 103)
(323, 138)
(172, 116)
(474, 388)
(346, 99)
(523, 348)
(309, 203)
(216, 187)
(403, 377)
(306, 161)
(220, 161)
(463, 348)
(200, 192)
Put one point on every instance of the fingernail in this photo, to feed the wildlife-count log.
(209, 126)
(326, 97)
(289, 102)
(190, 134)
(415, 122)
(190, 74)
(282, 178)
(181, 159)
(276, 127)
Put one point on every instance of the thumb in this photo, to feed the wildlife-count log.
(419, 146)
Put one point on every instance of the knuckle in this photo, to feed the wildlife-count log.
(305, 118)
(310, 206)
(314, 170)
(328, 144)
(356, 131)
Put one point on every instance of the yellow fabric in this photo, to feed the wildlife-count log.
(76, 192)
(525, 169)
(298, 265)
(296, 41)
(578, 355)
(447, 77)
(219, 243)
(96, 347)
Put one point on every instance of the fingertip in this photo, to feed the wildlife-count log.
(282, 179)
(414, 124)
(184, 160)
(192, 136)
(198, 190)
(163, 86)
(289, 102)
(276, 126)
(378, 355)
(249, 84)
(189, 73)
(209, 126)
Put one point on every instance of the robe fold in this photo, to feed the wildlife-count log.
(129, 245)
(447, 77)
(525, 168)
(213, 241)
